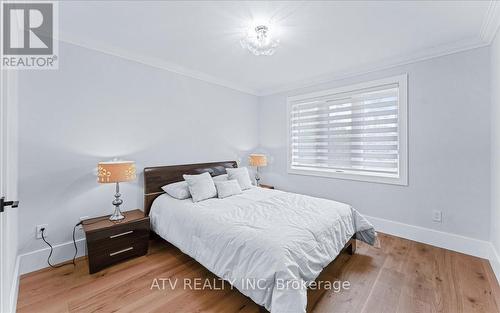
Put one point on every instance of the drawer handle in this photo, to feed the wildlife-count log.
(121, 251)
(121, 234)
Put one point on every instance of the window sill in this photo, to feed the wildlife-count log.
(402, 180)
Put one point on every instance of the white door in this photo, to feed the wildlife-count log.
(8, 189)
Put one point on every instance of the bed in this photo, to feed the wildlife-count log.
(269, 244)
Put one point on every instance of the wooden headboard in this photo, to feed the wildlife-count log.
(158, 176)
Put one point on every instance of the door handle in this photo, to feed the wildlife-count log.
(3, 204)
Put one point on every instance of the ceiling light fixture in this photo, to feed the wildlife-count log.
(259, 41)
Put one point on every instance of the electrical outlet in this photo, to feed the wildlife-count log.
(437, 216)
(82, 218)
(39, 231)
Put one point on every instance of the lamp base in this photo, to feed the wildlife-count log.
(117, 215)
(257, 176)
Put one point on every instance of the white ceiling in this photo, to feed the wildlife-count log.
(318, 39)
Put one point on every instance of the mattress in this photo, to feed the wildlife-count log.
(269, 244)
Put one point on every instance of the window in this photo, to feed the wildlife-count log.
(355, 132)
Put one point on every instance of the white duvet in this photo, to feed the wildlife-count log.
(262, 241)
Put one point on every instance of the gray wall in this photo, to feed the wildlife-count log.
(449, 148)
(495, 143)
(96, 107)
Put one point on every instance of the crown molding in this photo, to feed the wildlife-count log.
(489, 28)
(388, 63)
(152, 61)
(491, 22)
(309, 82)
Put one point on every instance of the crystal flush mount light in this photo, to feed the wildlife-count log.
(259, 41)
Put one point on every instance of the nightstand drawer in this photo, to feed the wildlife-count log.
(105, 245)
(111, 255)
(120, 232)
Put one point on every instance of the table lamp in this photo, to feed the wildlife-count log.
(257, 160)
(116, 172)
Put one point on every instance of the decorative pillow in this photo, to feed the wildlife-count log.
(222, 177)
(179, 190)
(227, 188)
(241, 175)
(201, 186)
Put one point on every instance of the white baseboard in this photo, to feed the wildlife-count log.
(14, 288)
(475, 247)
(35, 260)
(495, 261)
(458, 243)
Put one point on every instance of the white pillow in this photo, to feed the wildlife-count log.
(179, 190)
(227, 188)
(201, 186)
(222, 177)
(241, 175)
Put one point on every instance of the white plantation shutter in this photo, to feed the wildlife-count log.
(353, 132)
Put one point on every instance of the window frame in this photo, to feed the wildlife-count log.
(402, 81)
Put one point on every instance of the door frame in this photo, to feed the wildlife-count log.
(9, 261)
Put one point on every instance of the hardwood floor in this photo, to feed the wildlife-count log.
(402, 276)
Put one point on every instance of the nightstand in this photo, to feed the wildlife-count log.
(111, 242)
(266, 186)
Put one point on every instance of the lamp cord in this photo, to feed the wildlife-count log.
(52, 249)
(74, 244)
